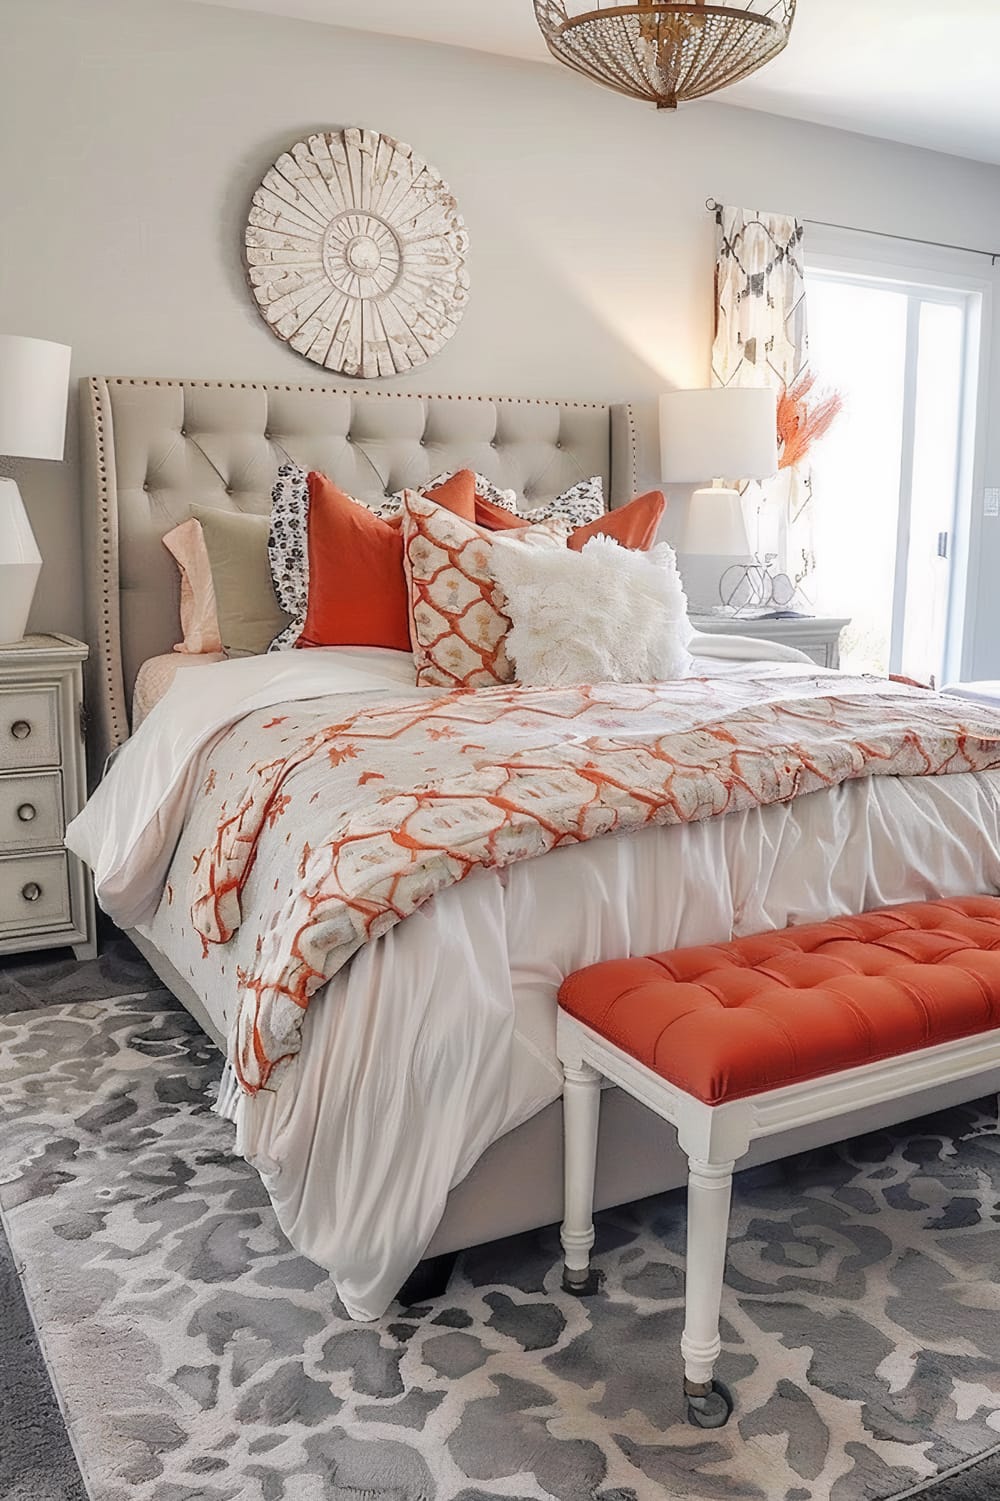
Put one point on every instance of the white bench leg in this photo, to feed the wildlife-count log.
(581, 1117)
(709, 1193)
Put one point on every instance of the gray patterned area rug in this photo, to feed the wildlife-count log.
(197, 1358)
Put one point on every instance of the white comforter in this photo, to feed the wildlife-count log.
(439, 1036)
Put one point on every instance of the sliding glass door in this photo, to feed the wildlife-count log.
(890, 478)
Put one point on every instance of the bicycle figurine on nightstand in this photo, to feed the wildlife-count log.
(753, 587)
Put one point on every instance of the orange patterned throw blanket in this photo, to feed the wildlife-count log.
(403, 798)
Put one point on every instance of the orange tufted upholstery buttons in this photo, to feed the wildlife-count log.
(735, 1019)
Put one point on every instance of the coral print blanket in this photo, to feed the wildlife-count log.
(363, 820)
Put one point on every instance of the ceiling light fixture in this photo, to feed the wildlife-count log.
(665, 53)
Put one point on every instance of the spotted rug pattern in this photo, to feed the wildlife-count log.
(200, 1359)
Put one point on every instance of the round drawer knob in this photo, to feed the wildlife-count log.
(26, 812)
(31, 892)
(20, 729)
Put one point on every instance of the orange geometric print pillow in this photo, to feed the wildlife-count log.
(497, 518)
(457, 627)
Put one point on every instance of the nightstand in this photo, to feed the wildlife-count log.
(46, 894)
(817, 635)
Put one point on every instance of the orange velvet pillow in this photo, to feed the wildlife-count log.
(495, 518)
(457, 494)
(634, 525)
(357, 588)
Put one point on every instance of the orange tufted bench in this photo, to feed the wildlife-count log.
(735, 1041)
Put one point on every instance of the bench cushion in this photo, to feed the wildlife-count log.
(735, 1019)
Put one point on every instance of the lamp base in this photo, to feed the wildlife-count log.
(715, 525)
(20, 564)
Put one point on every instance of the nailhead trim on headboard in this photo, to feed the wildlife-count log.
(108, 650)
(249, 385)
(633, 448)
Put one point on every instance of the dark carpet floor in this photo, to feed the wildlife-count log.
(36, 1457)
(36, 1460)
(980, 1482)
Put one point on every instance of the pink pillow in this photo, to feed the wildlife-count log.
(199, 620)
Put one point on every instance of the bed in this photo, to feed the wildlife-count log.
(153, 447)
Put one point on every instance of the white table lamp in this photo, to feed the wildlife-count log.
(726, 433)
(34, 386)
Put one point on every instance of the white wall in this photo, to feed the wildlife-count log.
(133, 132)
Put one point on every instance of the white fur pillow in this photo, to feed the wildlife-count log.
(607, 614)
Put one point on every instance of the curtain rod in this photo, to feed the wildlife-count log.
(883, 234)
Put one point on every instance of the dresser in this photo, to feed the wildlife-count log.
(817, 635)
(46, 895)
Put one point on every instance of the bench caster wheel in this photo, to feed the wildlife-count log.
(709, 1404)
(582, 1284)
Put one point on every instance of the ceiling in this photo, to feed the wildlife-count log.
(919, 71)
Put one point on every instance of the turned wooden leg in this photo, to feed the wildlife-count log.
(709, 1194)
(581, 1116)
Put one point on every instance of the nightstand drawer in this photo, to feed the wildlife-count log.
(31, 811)
(29, 727)
(34, 893)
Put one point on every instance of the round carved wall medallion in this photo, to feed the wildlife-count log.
(356, 253)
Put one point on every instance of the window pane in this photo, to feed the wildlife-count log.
(857, 337)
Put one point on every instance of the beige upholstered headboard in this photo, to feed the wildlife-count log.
(151, 448)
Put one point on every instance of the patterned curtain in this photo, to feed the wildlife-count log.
(761, 340)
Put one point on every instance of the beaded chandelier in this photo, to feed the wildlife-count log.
(665, 53)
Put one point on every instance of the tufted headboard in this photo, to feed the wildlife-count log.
(151, 448)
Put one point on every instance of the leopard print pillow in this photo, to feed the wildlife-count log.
(288, 550)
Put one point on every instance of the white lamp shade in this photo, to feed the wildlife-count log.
(34, 387)
(729, 432)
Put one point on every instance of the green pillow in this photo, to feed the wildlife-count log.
(249, 615)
